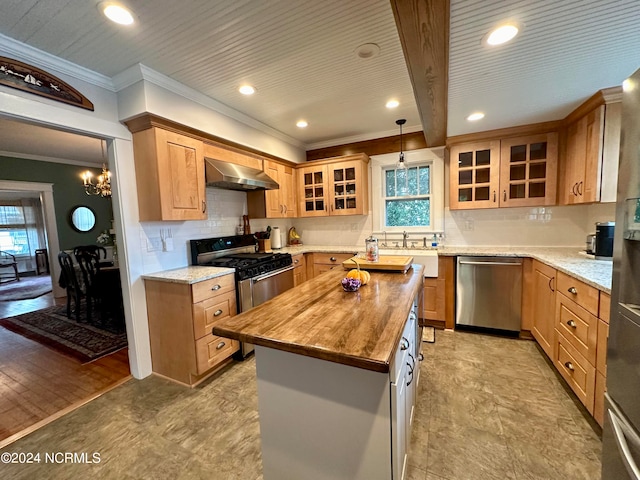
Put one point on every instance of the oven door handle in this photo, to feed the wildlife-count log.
(272, 274)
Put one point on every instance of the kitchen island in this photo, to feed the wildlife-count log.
(336, 374)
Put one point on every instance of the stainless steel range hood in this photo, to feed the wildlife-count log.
(236, 177)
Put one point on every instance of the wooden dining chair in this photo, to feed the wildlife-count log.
(90, 266)
(71, 284)
(8, 260)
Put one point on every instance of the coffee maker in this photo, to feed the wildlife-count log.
(604, 240)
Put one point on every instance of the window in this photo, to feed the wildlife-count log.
(13, 231)
(407, 201)
(410, 199)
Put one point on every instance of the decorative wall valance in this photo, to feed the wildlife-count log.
(16, 74)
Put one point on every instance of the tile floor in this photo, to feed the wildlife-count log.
(488, 408)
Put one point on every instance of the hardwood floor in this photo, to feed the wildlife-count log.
(37, 384)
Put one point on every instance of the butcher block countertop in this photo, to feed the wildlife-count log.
(319, 319)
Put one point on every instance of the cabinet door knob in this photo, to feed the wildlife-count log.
(296, 261)
(404, 344)
(215, 287)
(420, 357)
(572, 290)
(333, 259)
(220, 345)
(217, 313)
(569, 365)
(572, 324)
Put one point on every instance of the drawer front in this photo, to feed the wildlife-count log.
(208, 312)
(577, 371)
(209, 288)
(605, 307)
(331, 258)
(406, 349)
(578, 326)
(584, 295)
(212, 350)
(298, 260)
(601, 354)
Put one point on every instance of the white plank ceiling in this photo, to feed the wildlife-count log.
(300, 56)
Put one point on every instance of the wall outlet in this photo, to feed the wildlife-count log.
(154, 244)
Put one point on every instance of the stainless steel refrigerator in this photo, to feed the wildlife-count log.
(621, 435)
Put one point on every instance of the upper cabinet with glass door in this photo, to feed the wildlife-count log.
(474, 175)
(528, 167)
(508, 172)
(336, 186)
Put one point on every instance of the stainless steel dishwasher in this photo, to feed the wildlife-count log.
(489, 292)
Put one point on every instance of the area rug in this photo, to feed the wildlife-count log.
(27, 287)
(84, 341)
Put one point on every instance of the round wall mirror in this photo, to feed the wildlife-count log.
(83, 219)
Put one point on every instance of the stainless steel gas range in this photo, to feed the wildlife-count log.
(259, 276)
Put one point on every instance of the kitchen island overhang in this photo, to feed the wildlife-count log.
(336, 374)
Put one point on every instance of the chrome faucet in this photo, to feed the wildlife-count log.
(384, 244)
(405, 235)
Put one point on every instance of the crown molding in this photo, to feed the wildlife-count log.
(140, 72)
(43, 158)
(362, 137)
(27, 53)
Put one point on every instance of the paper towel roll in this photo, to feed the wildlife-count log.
(276, 238)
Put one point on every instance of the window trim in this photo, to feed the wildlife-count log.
(435, 157)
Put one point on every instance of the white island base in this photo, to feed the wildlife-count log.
(321, 420)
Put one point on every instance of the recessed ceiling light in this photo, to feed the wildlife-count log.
(502, 34)
(392, 103)
(302, 124)
(117, 13)
(628, 85)
(247, 90)
(475, 116)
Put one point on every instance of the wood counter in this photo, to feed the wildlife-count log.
(318, 319)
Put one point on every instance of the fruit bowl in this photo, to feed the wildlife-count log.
(350, 284)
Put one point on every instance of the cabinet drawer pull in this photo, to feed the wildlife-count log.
(404, 344)
(410, 373)
(572, 290)
(575, 185)
(569, 365)
(217, 313)
(216, 287)
(504, 195)
(296, 261)
(580, 188)
(494, 196)
(420, 357)
(571, 323)
(333, 259)
(550, 283)
(204, 206)
(220, 345)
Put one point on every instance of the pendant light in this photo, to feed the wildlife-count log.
(401, 164)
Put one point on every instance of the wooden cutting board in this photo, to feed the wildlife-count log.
(397, 263)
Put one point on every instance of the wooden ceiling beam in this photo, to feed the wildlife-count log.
(423, 26)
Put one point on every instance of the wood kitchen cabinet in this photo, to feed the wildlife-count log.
(323, 262)
(474, 176)
(590, 163)
(336, 186)
(180, 317)
(506, 172)
(169, 175)
(543, 305)
(299, 270)
(601, 357)
(439, 296)
(280, 203)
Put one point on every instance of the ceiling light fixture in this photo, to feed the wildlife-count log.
(103, 186)
(475, 116)
(501, 34)
(116, 13)
(628, 85)
(302, 124)
(401, 165)
(247, 90)
(392, 104)
(367, 51)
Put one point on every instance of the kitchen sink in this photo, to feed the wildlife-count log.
(428, 258)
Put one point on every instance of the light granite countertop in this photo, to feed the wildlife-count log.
(569, 260)
(191, 274)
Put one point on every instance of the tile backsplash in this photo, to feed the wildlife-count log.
(540, 226)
